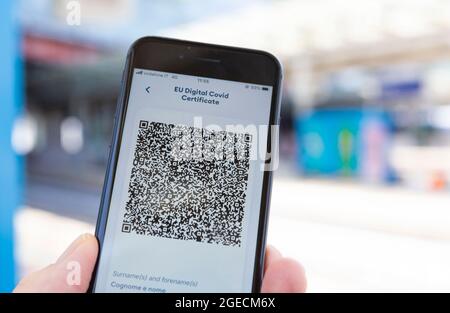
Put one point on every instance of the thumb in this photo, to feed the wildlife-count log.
(282, 274)
(71, 272)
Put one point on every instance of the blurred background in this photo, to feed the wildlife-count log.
(362, 195)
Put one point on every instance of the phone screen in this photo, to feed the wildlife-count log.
(186, 197)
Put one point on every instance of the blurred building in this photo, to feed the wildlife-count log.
(377, 71)
(73, 77)
(350, 56)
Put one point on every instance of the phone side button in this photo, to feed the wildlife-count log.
(112, 135)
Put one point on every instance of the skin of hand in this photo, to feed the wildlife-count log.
(280, 274)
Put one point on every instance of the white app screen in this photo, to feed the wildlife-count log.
(186, 197)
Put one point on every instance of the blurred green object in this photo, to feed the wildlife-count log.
(11, 165)
(346, 151)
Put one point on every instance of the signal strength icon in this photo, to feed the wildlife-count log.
(139, 73)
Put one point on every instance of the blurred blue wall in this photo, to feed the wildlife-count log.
(344, 142)
(11, 166)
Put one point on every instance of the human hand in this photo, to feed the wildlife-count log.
(280, 274)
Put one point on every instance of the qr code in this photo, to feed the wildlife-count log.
(188, 183)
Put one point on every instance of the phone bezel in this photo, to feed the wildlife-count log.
(199, 59)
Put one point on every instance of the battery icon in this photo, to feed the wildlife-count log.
(265, 88)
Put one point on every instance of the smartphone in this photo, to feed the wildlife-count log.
(186, 196)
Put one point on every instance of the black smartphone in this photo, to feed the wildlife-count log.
(186, 196)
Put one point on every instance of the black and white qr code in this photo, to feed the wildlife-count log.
(188, 183)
